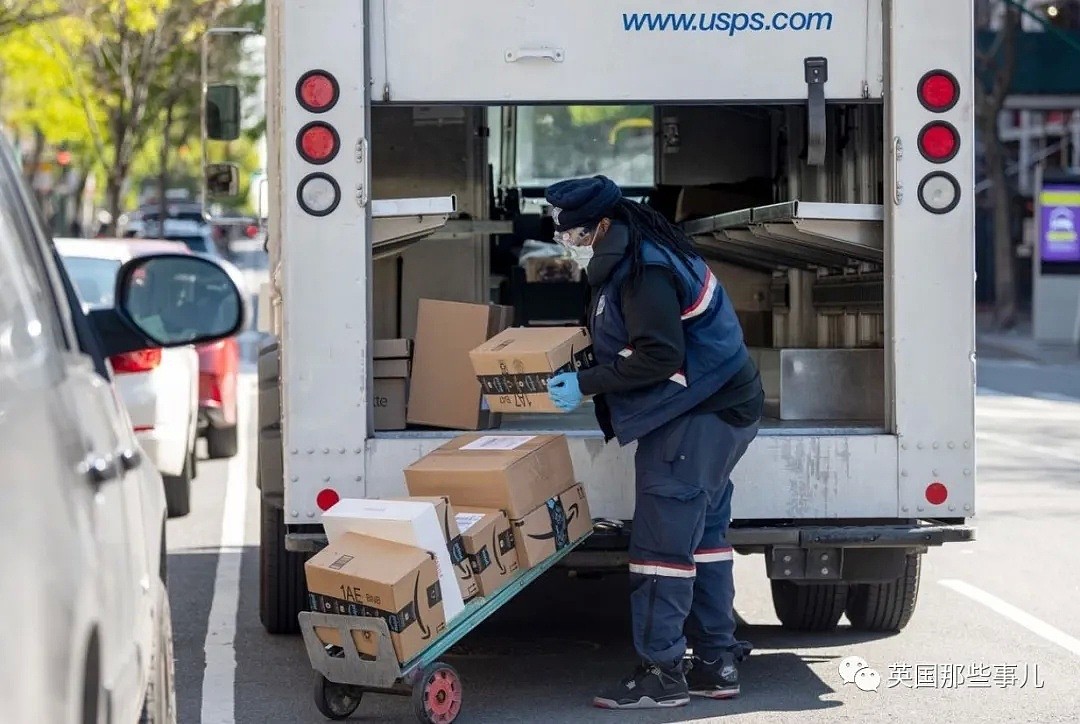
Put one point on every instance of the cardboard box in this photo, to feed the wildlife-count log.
(404, 521)
(489, 546)
(557, 523)
(358, 575)
(467, 582)
(514, 473)
(514, 366)
(391, 349)
(443, 390)
(390, 393)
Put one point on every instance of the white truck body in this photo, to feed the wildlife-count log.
(412, 75)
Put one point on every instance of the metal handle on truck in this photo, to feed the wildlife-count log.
(556, 55)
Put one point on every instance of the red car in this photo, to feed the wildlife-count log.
(219, 365)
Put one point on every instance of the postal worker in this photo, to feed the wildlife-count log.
(673, 374)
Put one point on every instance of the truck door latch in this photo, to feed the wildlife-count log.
(817, 73)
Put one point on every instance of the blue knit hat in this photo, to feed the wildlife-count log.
(581, 201)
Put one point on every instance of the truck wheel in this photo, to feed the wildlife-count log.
(282, 588)
(885, 606)
(810, 606)
(221, 442)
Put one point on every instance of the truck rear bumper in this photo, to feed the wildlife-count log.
(903, 535)
(607, 547)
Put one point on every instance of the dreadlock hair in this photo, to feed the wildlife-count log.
(645, 222)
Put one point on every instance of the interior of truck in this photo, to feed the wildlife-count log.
(793, 228)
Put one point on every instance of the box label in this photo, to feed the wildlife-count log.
(467, 520)
(498, 442)
(351, 603)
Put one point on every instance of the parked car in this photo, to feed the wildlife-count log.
(219, 370)
(87, 633)
(159, 386)
(184, 222)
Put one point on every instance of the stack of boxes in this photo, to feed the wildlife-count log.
(481, 509)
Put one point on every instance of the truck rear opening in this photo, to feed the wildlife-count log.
(820, 157)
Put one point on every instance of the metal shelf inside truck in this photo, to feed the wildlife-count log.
(794, 234)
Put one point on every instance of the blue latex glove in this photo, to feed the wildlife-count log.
(565, 391)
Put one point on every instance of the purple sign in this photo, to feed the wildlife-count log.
(1059, 223)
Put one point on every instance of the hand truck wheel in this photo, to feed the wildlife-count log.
(436, 695)
(336, 701)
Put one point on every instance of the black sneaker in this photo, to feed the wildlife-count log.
(649, 687)
(714, 679)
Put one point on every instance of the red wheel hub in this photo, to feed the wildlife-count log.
(442, 694)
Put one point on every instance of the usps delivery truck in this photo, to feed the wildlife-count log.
(820, 154)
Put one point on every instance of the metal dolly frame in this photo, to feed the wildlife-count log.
(343, 676)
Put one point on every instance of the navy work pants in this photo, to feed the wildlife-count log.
(680, 561)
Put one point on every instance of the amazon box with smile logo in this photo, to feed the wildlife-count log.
(515, 365)
(489, 546)
(560, 521)
(514, 473)
(357, 575)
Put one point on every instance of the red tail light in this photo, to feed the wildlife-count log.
(141, 361)
(317, 91)
(317, 143)
(251, 231)
(939, 142)
(327, 498)
(938, 91)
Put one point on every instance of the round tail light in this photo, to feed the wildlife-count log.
(317, 91)
(936, 493)
(318, 143)
(938, 91)
(939, 142)
(939, 193)
(318, 194)
(327, 498)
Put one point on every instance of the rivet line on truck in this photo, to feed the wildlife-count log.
(820, 157)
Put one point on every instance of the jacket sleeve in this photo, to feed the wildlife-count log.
(654, 326)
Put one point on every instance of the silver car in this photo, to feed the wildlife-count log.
(85, 627)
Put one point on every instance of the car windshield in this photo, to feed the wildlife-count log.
(557, 142)
(94, 279)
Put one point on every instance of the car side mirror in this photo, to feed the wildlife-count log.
(222, 179)
(175, 300)
(223, 112)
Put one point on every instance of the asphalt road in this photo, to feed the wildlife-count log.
(1004, 607)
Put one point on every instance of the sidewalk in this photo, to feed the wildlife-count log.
(1018, 343)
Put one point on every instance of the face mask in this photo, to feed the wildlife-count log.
(582, 255)
(578, 243)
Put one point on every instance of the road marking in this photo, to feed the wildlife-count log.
(1009, 611)
(1027, 447)
(219, 677)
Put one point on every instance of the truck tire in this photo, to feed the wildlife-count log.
(282, 588)
(809, 606)
(885, 606)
